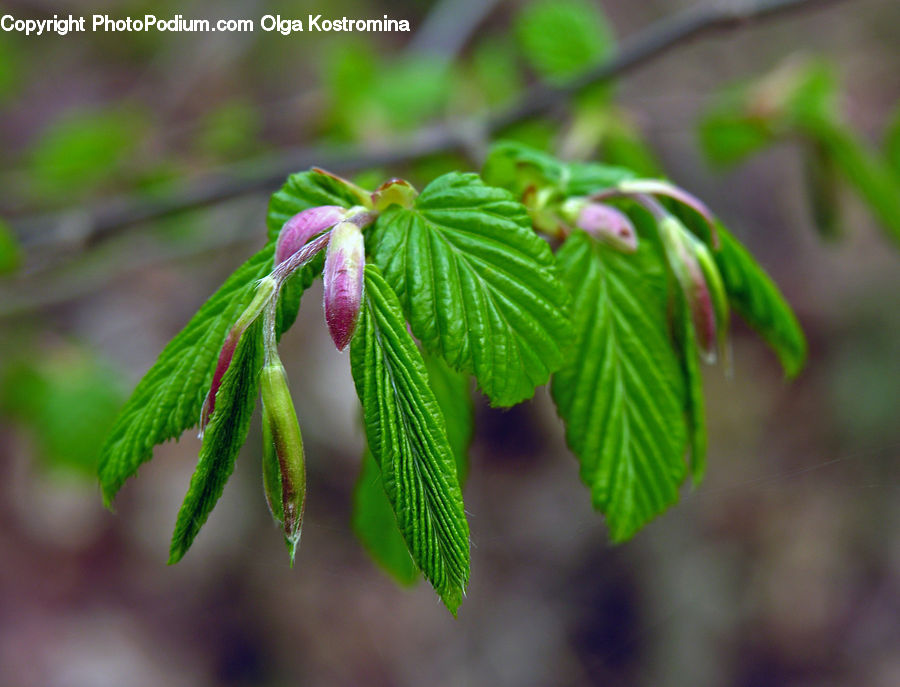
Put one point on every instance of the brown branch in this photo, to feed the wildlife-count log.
(84, 228)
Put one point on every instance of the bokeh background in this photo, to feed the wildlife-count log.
(783, 568)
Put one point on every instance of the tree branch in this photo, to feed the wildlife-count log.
(82, 228)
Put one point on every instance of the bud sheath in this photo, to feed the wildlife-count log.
(343, 277)
(264, 291)
(284, 466)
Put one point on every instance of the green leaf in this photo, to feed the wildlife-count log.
(222, 440)
(516, 167)
(562, 38)
(872, 178)
(757, 299)
(694, 404)
(621, 392)
(451, 389)
(167, 400)
(728, 136)
(376, 526)
(406, 434)
(822, 190)
(373, 518)
(477, 284)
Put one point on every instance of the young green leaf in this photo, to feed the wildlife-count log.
(872, 177)
(694, 404)
(168, 399)
(451, 389)
(476, 283)
(375, 524)
(373, 519)
(518, 167)
(621, 392)
(222, 440)
(757, 299)
(406, 434)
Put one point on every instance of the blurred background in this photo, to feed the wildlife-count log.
(782, 568)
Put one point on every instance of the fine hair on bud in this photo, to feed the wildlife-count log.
(343, 278)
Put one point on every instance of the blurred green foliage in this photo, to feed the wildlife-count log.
(562, 39)
(84, 150)
(230, 131)
(800, 101)
(66, 399)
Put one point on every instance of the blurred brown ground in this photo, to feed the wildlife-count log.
(783, 568)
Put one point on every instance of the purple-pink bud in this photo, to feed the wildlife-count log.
(303, 226)
(608, 224)
(343, 276)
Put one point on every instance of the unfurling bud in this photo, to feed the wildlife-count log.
(658, 187)
(700, 283)
(264, 291)
(303, 226)
(394, 192)
(343, 277)
(284, 465)
(609, 225)
(718, 293)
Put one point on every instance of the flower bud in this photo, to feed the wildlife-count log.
(264, 291)
(303, 226)
(284, 465)
(394, 192)
(609, 225)
(343, 277)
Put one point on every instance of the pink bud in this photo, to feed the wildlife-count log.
(303, 226)
(608, 224)
(343, 277)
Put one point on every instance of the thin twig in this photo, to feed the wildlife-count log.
(83, 228)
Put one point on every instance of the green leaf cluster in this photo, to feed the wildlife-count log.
(459, 285)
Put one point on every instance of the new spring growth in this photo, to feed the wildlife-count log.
(303, 226)
(603, 222)
(394, 192)
(700, 282)
(635, 188)
(284, 464)
(264, 293)
(343, 278)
